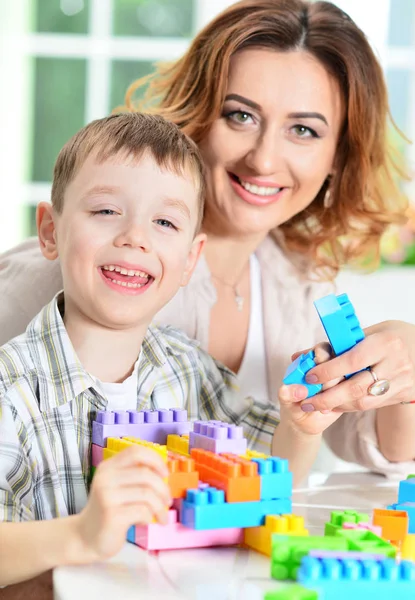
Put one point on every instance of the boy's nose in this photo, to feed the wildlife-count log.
(134, 236)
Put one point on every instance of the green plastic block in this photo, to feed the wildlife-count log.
(287, 552)
(366, 541)
(291, 592)
(338, 518)
(92, 473)
(411, 476)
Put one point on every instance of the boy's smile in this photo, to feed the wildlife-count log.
(125, 239)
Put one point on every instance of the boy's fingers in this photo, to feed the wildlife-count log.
(137, 455)
(292, 393)
(133, 477)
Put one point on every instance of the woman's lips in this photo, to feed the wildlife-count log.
(251, 198)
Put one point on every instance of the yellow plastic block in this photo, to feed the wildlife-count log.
(249, 454)
(178, 443)
(408, 547)
(115, 445)
(259, 538)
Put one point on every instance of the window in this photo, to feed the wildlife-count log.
(70, 61)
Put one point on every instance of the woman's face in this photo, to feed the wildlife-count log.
(274, 145)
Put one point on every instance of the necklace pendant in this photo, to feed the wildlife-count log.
(239, 302)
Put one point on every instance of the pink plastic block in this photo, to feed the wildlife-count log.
(375, 528)
(217, 437)
(148, 425)
(97, 455)
(174, 535)
(345, 555)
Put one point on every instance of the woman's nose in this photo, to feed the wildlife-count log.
(265, 155)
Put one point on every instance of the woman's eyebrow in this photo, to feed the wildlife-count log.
(244, 100)
(308, 115)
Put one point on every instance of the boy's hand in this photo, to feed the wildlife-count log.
(127, 489)
(295, 407)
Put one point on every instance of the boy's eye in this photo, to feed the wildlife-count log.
(166, 223)
(105, 211)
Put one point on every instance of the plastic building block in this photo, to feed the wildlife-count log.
(236, 476)
(182, 474)
(339, 518)
(150, 425)
(366, 526)
(297, 370)
(291, 592)
(340, 322)
(408, 547)
(406, 490)
(276, 479)
(96, 455)
(207, 509)
(408, 507)
(178, 444)
(250, 454)
(287, 552)
(394, 523)
(366, 541)
(131, 534)
(217, 437)
(174, 535)
(359, 579)
(345, 555)
(259, 538)
(115, 445)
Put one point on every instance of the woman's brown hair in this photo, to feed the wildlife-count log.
(365, 194)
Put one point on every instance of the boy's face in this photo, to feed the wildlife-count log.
(125, 239)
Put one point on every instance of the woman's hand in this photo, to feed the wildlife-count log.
(298, 410)
(389, 348)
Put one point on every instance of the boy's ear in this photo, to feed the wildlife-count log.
(46, 230)
(194, 253)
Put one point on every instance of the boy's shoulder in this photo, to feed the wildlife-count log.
(16, 362)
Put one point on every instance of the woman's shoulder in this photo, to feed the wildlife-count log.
(27, 282)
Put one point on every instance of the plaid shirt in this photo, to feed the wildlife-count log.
(48, 402)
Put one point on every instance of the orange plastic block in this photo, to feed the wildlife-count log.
(178, 443)
(236, 476)
(408, 547)
(182, 475)
(259, 538)
(394, 523)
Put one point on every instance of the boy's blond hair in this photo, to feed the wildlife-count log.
(131, 134)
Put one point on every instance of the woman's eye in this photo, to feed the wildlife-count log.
(105, 211)
(239, 116)
(166, 223)
(304, 132)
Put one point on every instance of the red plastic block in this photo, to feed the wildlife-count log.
(96, 455)
(236, 476)
(182, 474)
(175, 535)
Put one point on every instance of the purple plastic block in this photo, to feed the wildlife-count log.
(345, 555)
(149, 425)
(217, 437)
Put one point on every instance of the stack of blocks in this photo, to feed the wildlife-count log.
(219, 487)
(226, 494)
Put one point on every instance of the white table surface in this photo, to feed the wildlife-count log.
(216, 573)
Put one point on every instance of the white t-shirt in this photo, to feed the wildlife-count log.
(252, 375)
(122, 396)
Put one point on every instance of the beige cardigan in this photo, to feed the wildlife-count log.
(28, 282)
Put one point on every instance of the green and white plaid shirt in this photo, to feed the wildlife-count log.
(48, 402)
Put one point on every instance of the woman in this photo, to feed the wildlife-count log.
(288, 105)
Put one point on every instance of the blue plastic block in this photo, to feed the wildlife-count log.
(340, 322)
(131, 534)
(276, 479)
(297, 370)
(207, 509)
(342, 579)
(409, 507)
(406, 490)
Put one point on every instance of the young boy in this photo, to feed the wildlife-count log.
(127, 202)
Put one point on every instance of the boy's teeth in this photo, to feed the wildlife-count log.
(123, 271)
(127, 283)
(259, 190)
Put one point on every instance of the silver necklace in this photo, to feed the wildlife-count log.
(238, 298)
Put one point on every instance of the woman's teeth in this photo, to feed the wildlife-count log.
(259, 190)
